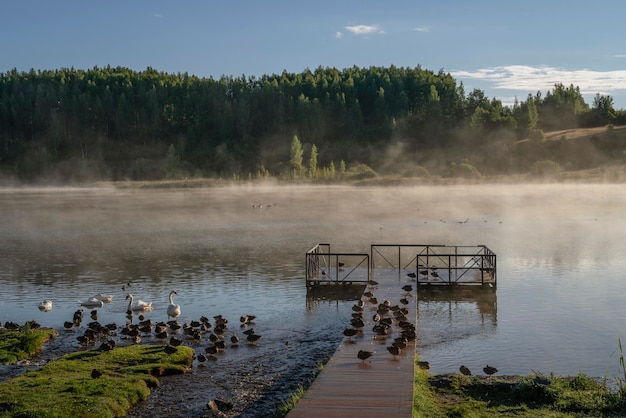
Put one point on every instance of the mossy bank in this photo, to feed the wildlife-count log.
(94, 383)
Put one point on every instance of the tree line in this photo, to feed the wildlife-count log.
(116, 123)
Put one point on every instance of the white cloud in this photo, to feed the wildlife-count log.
(364, 29)
(619, 56)
(422, 29)
(531, 79)
(157, 15)
(338, 35)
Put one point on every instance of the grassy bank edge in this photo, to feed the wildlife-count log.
(19, 344)
(519, 396)
(92, 383)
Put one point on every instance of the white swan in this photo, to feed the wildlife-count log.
(141, 306)
(92, 303)
(104, 298)
(45, 306)
(173, 309)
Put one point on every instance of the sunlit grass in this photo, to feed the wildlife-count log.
(23, 343)
(424, 397)
(66, 387)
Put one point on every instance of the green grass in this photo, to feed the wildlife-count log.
(530, 396)
(65, 387)
(424, 397)
(23, 343)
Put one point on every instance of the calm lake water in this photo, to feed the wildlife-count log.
(559, 306)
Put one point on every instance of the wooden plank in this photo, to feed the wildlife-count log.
(379, 386)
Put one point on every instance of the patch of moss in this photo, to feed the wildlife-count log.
(22, 343)
(92, 383)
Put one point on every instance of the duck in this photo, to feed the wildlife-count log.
(174, 325)
(350, 332)
(175, 341)
(357, 323)
(465, 370)
(364, 355)
(394, 350)
(141, 306)
(400, 342)
(92, 303)
(45, 306)
(489, 370)
(169, 349)
(173, 310)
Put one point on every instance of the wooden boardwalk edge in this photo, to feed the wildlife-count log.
(382, 385)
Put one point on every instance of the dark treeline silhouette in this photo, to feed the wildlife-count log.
(116, 123)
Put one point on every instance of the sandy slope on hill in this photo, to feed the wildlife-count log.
(576, 133)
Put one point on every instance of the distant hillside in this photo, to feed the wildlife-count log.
(574, 150)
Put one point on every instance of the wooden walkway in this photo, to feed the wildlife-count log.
(381, 386)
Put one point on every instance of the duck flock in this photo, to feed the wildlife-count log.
(215, 336)
(207, 336)
(386, 318)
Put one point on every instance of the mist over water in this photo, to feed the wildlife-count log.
(558, 306)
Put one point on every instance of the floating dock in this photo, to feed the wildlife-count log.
(382, 385)
(430, 265)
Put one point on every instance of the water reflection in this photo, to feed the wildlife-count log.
(332, 293)
(484, 299)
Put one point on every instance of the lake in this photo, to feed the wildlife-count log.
(232, 251)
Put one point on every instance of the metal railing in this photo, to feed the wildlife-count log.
(324, 266)
(429, 264)
(438, 264)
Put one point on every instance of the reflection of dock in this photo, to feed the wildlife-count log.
(485, 298)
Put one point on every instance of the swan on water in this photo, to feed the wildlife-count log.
(104, 298)
(92, 303)
(141, 306)
(45, 306)
(173, 310)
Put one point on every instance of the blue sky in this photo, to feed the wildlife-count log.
(507, 49)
